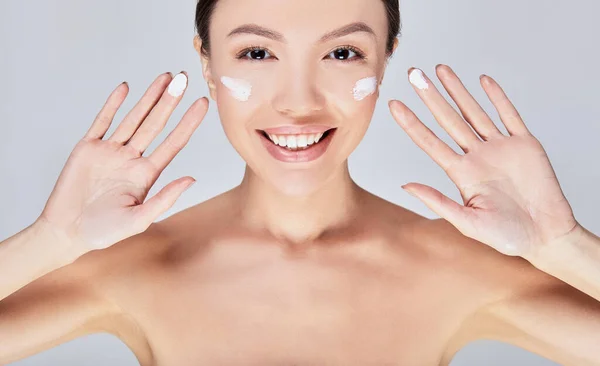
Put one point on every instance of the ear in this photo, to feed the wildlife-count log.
(206, 71)
(396, 41)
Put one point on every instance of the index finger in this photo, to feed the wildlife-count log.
(425, 138)
(180, 136)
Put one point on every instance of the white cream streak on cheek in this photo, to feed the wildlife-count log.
(364, 87)
(239, 89)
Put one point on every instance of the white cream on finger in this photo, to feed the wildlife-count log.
(177, 85)
(417, 79)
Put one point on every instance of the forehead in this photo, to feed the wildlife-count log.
(308, 19)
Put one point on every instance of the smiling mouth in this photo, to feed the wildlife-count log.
(297, 142)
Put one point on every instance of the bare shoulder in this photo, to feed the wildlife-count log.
(389, 212)
(127, 273)
(480, 277)
(121, 274)
(496, 274)
(142, 256)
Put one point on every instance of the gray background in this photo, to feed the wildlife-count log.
(60, 59)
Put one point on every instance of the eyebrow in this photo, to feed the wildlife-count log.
(269, 33)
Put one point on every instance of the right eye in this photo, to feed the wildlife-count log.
(253, 53)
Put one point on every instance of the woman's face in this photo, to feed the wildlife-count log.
(290, 76)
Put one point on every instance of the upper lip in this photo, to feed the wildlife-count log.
(297, 130)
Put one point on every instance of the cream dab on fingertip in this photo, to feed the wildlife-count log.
(417, 78)
(238, 88)
(364, 87)
(177, 85)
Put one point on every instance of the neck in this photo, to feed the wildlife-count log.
(299, 219)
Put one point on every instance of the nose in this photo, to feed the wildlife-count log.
(298, 93)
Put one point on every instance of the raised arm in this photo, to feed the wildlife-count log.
(53, 279)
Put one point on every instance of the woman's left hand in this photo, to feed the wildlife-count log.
(512, 199)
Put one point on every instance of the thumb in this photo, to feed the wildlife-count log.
(164, 199)
(438, 203)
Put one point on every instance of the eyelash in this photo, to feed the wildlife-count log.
(360, 56)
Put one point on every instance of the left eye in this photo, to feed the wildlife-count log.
(343, 53)
(259, 53)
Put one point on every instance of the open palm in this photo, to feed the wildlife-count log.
(99, 196)
(512, 199)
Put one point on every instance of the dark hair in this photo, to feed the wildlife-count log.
(205, 9)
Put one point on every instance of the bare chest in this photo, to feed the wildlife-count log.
(262, 310)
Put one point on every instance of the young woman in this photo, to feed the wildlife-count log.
(298, 265)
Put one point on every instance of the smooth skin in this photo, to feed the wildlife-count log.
(217, 284)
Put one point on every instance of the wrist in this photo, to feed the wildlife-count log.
(65, 246)
(571, 245)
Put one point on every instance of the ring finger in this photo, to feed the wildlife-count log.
(468, 106)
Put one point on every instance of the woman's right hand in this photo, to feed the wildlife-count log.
(98, 199)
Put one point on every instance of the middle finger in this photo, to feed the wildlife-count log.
(443, 112)
(158, 117)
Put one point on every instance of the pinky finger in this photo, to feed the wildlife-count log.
(106, 115)
(162, 201)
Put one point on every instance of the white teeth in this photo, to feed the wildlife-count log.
(282, 141)
(291, 142)
(295, 141)
(302, 141)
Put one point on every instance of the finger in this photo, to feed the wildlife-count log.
(439, 151)
(157, 119)
(139, 112)
(106, 115)
(443, 206)
(180, 136)
(468, 106)
(506, 110)
(443, 112)
(162, 201)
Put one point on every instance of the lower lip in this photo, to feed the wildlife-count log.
(298, 156)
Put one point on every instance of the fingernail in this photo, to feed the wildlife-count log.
(189, 184)
(417, 78)
(407, 189)
(177, 85)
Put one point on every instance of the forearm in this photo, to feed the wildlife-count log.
(575, 259)
(30, 254)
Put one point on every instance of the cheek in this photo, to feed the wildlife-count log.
(238, 89)
(233, 113)
(354, 97)
(237, 101)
